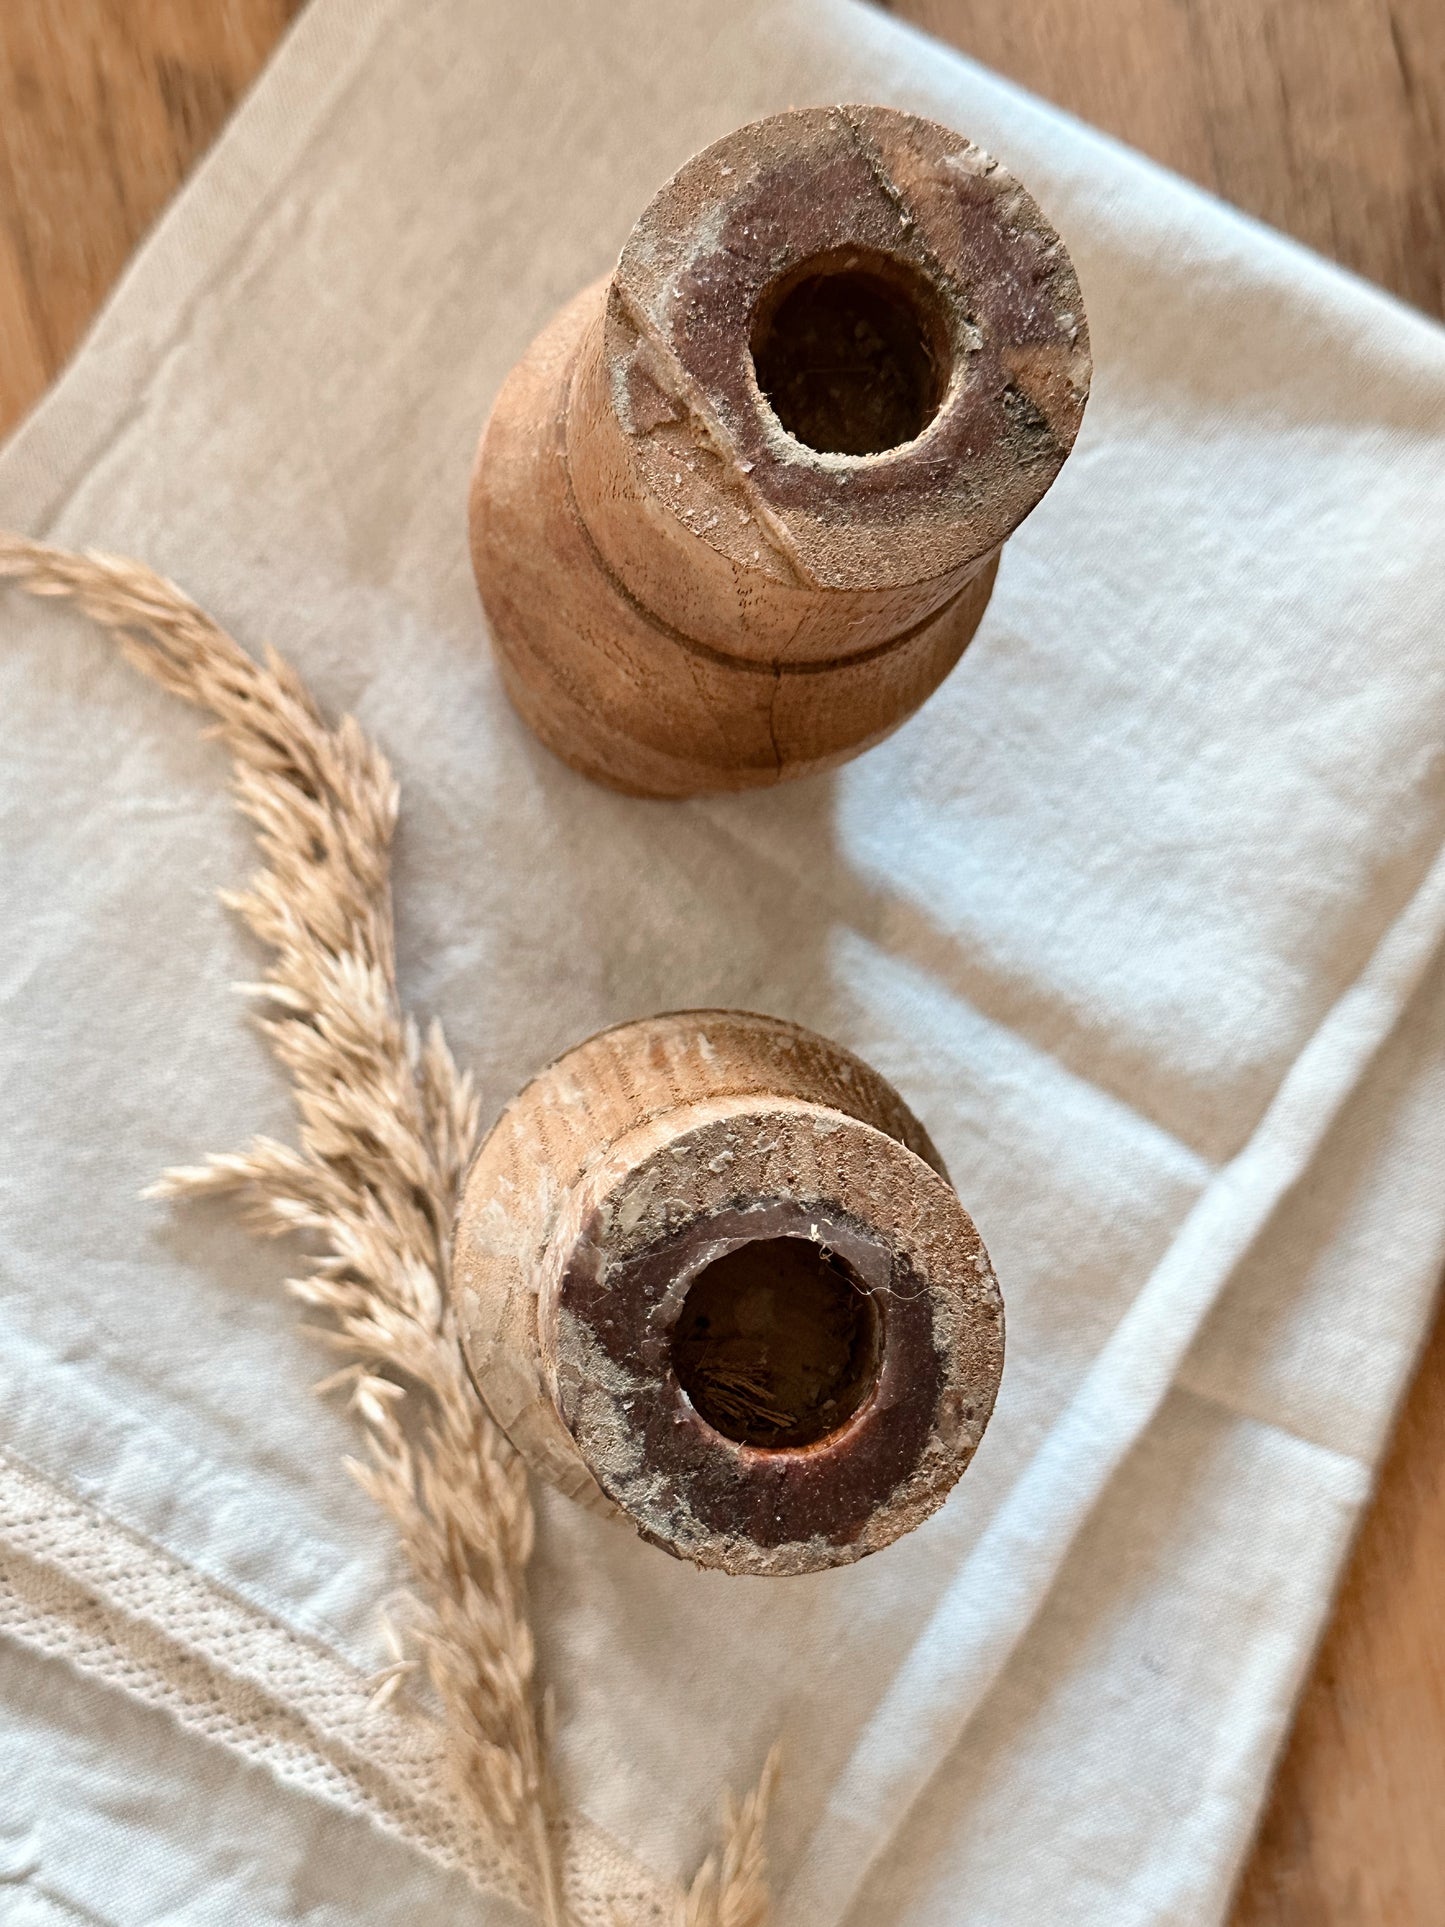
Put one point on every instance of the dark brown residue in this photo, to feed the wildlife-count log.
(772, 1496)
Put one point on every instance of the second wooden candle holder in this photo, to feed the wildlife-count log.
(711, 1275)
(738, 510)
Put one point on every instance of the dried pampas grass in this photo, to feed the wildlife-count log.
(387, 1127)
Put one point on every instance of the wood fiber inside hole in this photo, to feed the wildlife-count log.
(851, 358)
(777, 1345)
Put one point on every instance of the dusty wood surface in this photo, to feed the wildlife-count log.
(1326, 117)
(622, 1235)
(691, 590)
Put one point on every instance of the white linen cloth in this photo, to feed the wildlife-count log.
(1142, 914)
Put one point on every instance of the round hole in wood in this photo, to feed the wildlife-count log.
(777, 1344)
(851, 353)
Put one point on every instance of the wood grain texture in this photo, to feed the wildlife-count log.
(105, 105)
(731, 1204)
(1324, 117)
(698, 580)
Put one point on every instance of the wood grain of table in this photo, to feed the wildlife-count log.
(1323, 117)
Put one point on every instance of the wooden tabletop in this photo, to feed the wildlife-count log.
(1324, 117)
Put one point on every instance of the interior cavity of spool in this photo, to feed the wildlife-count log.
(851, 351)
(778, 1344)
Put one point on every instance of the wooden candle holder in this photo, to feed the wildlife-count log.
(710, 1274)
(738, 510)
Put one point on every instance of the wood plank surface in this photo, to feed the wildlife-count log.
(105, 105)
(1323, 117)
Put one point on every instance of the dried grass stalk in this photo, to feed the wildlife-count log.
(731, 1890)
(387, 1128)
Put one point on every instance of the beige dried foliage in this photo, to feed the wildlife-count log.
(731, 1889)
(387, 1128)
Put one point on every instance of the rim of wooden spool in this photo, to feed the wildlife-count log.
(968, 387)
(758, 1324)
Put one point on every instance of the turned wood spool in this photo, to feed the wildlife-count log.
(710, 1275)
(739, 508)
